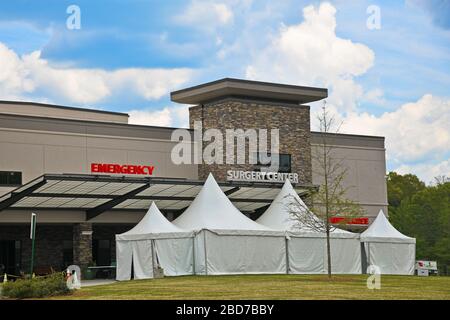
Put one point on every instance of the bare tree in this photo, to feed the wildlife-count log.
(330, 200)
(441, 179)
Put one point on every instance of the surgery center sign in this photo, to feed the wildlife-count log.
(121, 168)
(236, 175)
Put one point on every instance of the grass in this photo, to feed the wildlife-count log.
(270, 287)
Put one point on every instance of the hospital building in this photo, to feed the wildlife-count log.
(89, 174)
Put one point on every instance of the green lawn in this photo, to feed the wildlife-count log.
(270, 287)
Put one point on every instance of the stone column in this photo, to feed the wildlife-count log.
(82, 244)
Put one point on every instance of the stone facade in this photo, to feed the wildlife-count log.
(293, 122)
(82, 244)
(50, 239)
(49, 244)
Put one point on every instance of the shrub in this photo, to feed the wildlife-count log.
(54, 284)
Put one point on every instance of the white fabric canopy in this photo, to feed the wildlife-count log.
(308, 254)
(307, 247)
(153, 222)
(278, 217)
(212, 210)
(387, 248)
(381, 230)
(153, 225)
(227, 242)
(153, 242)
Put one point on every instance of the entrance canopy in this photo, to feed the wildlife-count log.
(99, 193)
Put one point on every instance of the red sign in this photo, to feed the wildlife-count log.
(362, 220)
(121, 168)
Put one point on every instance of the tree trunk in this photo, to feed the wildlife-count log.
(327, 208)
(328, 253)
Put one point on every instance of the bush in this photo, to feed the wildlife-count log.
(54, 284)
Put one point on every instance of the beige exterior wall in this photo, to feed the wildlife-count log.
(50, 111)
(364, 160)
(35, 152)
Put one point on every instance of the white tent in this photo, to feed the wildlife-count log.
(226, 241)
(387, 248)
(307, 247)
(154, 242)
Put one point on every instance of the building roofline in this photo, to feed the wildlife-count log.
(348, 135)
(48, 105)
(250, 88)
(93, 122)
(139, 126)
(273, 84)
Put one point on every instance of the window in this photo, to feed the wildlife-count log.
(101, 252)
(67, 253)
(10, 178)
(10, 252)
(284, 163)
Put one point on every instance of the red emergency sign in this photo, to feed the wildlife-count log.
(359, 220)
(121, 168)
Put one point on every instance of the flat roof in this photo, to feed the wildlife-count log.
(48, 105)
(348, 140)
(113, 129)
(96, 194)
(229, 87)
(15, 121)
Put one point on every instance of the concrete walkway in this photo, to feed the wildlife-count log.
(96, 282)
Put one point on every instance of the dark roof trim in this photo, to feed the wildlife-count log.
(254, 89)
(349, 135)
(272, 84)
(48, 105)
(89, 122)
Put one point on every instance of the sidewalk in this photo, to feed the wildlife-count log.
(96, 282)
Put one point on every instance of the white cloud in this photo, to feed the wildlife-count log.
(29, 73)
(310, 53)
(426, 171)
(207, 15)
(13, 76)
(175, 116)
(413, 132)
(375, 96)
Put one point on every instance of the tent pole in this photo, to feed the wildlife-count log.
(287, 255)
(153, 258)
(193, 254)
(204, 246)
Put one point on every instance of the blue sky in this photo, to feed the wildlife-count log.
(128, 55)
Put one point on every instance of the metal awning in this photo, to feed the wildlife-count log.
(96, 194)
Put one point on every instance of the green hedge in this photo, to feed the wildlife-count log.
(54, 284)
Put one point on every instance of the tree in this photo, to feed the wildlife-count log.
(400, 187)
(423, 212)
(330, 200)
